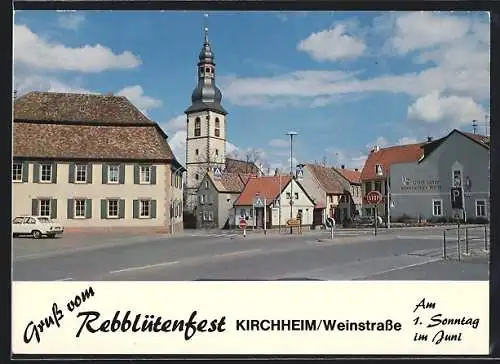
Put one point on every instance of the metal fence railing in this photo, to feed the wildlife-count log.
(464, 241)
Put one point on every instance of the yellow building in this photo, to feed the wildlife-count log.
(93, 161)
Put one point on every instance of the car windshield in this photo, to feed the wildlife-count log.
(44, 220)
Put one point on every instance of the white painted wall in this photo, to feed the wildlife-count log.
(225, 208)
(23, 193)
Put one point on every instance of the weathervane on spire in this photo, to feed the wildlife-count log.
(206, 28)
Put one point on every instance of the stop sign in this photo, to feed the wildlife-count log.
(373, 197)
(243, 223)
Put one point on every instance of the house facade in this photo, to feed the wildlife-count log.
(422, 189)
(93, 161)
(326, 187)
(216, 196)
(374, 176)
(282, 196)
(350, 203)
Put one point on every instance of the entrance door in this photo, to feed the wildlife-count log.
(259, 217)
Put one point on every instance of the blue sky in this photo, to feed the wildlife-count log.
(344, 81)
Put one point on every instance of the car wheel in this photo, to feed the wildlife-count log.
(36, 234)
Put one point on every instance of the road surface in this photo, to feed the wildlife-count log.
(397, 254)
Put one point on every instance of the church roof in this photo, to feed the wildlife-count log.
(230, 182)
(239, 166)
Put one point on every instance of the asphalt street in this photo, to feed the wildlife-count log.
(397, 254)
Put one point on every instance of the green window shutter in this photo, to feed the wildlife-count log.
(88, 209)
(71, 174)
(53, 209)
(34, 207)
(36, 172)
(136, 209)
(153, 209)
(104, 174)
(136, 174)
(122, 174)
(26, 170)
(71, 206)
(89, 173)
(104, 207)
(54, 172)
(153, 175)
(121, 209)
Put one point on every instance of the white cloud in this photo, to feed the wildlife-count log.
(278, 143)
(175, 124)
(348, 158)
(177, 143)
(33, 51)
(451, 110)
(71, 21)
(407, 140)
(136, 95)
(424, 29)
(380, 141)
(332, 45)
(231, 148)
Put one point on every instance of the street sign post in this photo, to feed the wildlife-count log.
(457, 198)
(374, 198)
(243, 225)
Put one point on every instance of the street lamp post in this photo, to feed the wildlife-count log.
(291, 134)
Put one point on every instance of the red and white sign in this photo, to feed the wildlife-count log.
(374, 197)
(243, 223)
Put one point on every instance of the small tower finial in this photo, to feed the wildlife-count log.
(205, 28)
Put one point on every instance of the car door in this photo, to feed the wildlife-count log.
(17, 225)
(28, 225)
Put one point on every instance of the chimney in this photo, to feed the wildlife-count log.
(376, 148)
(342, 166)
(429, 139)
(276, 172)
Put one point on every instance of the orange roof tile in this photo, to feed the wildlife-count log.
(389, 156)
(267, 187)
(352, 175)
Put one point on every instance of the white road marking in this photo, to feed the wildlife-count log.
(66, 279)
(151, 266)
(406, 266)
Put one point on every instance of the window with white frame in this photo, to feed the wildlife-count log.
(145, 174)
(46, 173)
(113, 174)
(457, 178)
(81, 173)
(145, 208)
(210, 216)
(80, 208)
(296, 195)
(205, 216)
(113, 208)
(437, 207)
(206, 185)
(288, 195)
(44, 208)
(481, 208)
(17, 172)
(202, 199)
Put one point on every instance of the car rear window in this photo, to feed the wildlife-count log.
(44, 220)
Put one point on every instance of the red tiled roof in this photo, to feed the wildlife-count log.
(267, 187)
(388, 156)
(353, 176)
(478, 138)
(327, 177)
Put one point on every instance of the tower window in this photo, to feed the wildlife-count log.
(217, 152)
(196, 152)
(196, 176)
(217, 127)
(197, 127)
(207, 70)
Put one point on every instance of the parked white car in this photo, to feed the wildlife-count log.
(36, 226)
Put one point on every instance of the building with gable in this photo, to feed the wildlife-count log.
(93, 161)
(216, 196)
(421, 189)
(280, 197)
(351, 202)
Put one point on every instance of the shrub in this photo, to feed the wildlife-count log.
(404, 219)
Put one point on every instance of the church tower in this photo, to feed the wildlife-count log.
(206, 126)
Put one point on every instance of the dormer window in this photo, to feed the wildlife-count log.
(379, 171)
(197, 127)
(217, 127)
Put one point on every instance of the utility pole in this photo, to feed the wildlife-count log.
(291, 134)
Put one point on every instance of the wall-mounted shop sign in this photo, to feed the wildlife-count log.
(420, 185)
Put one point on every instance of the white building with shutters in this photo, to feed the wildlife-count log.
(118, 172)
